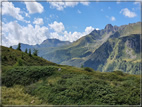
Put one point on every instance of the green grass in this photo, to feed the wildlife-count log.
(47, 85)
(16, 96)
(10, 57)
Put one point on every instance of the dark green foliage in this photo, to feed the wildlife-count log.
(11, 47)
(119, 73)
(4, 58)
(35, 52)
(19, 62)
(71, 85)
(19, 47)
(74, 89)
(30, 53)
(88, 69)
(26, 75)
(26, 51)
(82, 66)
(22, 56)
(11, 56)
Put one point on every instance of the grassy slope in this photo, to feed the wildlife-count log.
(75, 53)
(36, 85)
(114, 55)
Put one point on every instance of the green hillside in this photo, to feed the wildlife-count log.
(50, 84)
(11, 56)
(117, 54)
(83, 51)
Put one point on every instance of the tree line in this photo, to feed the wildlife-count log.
(35, 51)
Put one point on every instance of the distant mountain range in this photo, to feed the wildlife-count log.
(105, 50)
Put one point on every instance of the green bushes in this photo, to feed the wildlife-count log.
(25, 75)
(88, 69)
(82, 89)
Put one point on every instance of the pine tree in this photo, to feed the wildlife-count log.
(26, 51)
(11, 47)
(35, 52)
(19, 47)
(30, 52)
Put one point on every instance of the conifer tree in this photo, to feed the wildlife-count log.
(19, 47)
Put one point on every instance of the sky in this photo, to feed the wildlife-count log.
(33, 22)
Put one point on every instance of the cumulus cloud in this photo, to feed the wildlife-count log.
(57, 27)
(9, 9)
(61, 4)
(137, 2)
(68, 36)
(113, 18)
(13, 33)
(89, 29)
(38, 21)
(97, 29)
(85, 3)
(126, 12)
(34, 7)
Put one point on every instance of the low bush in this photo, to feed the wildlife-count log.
(25, 75)
(88, 69)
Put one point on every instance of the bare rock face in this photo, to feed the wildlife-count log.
(108, 28)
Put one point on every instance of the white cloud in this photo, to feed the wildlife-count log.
(89, 29)
(137, 2)
(126, 12)
(61, 4)
(13, 33)
(78, 11)
(34, 7)
(85, 3)
(27, 15)
(118, 1)
(57, 27)
(97, 29)
(113, 18)
(38, 21)
(68, 36)
(70, 4)
(9, 9)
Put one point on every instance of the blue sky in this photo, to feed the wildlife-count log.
(33, 22)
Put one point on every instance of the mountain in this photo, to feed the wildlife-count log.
(82, 51)
(48, 43)
(53, 43)
(32, 80)
(76, 53)
(120, 53)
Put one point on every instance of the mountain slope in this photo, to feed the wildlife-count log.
(118, 53)
(54, 84)
(79, 50)
(77, 53)
(11, 57)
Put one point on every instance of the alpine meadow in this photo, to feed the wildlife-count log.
(77, 53)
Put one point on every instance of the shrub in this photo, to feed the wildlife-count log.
(118, 73)
(25, 75)
(88, 69)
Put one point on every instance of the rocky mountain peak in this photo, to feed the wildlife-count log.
(108, 27)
